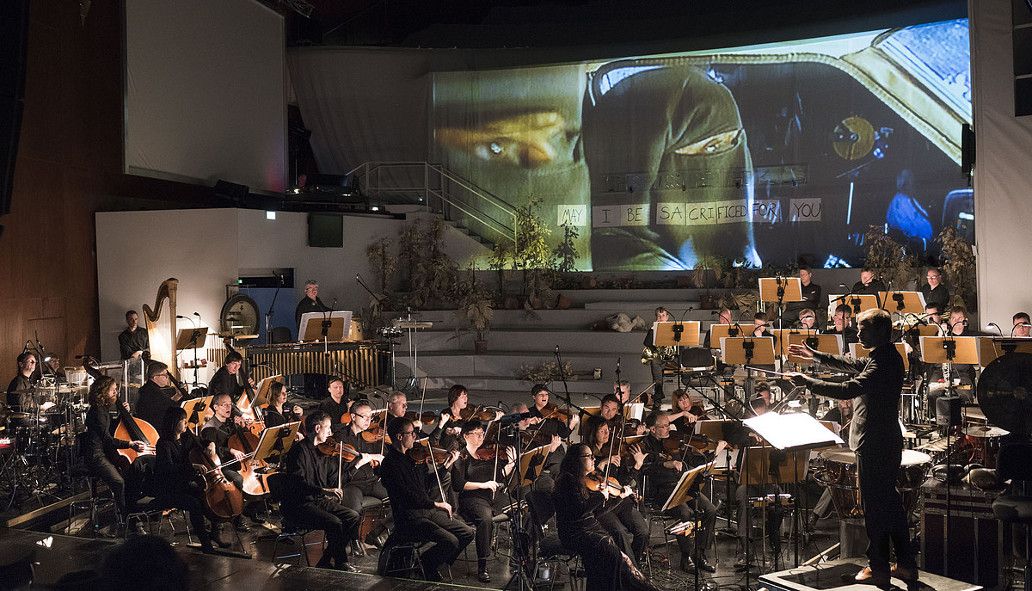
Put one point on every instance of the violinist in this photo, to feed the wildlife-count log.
(219, 428)
(227, 379)
(619, 515)
(606, 567)
(100, 445)
(359, 479)
(687, 410)
(397, 406)
(554, 420)
(662, 471)
(315, 501)
(336, 403)
(417, 517)
(478, 478)
(449, 425)
(157, 395)
(279, 412)
(610, 411)
(174, 480)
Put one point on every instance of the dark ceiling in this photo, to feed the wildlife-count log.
(536, 23)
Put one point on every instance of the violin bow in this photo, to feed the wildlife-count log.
(340, 463)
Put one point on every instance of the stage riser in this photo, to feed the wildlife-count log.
(978, 545)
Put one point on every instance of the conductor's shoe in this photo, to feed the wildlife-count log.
(872, 577)
(904, 573)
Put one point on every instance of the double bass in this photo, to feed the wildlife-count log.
(129, 428)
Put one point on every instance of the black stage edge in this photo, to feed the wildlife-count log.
(837, 575)
(57, 555)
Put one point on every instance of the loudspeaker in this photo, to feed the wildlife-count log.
(967, 150)
(325, 230)
(947, 411)
(232, 191)
(14, 32)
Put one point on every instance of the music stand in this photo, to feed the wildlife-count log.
(781, 338)
(192, 338)
(634, 411)
(262, 396)
(825, 343)
(275, 442)
(324, 326)
(990, 348)
(684, 484)
(667, 334)
(585, 412)
(531, 463)
(198, 411)
(959, 350)
(859, 351)
(795, 431)
(781, 289)
(902, 302)
(747, 350)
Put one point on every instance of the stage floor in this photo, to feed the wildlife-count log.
(837, 575)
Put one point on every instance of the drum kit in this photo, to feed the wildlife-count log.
(37, 438)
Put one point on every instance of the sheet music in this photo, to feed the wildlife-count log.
(792, 431)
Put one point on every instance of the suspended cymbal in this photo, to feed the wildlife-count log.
(1005, 393)
(985, 431)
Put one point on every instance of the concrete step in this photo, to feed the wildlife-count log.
(572, 319)
(446, 365)
(541, 341)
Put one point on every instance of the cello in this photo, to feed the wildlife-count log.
(222, 500)
(255, 478)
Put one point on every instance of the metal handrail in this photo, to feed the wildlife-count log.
(467, 207)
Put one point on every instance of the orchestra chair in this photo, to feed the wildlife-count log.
(147, 510)
(653, 515)
(290, 533)
(550, 551)
(94, 503)
(166, 516)
(374, 511)
(1014, 506)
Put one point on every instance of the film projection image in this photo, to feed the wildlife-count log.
(757, 155)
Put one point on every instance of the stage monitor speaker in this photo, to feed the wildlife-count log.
(967, 150)
(232, 192)
(14, 31)
(325, 230)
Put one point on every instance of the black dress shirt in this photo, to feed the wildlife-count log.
(224, 382)
(469, 469)
(871, 288)
(315, 471)
(130, 342)
(811, 300)
(218, 432)
(99, 440)
(305, 306)
(939, 296)
(365, 473)
(336, 410)
(18, 383)
(153, 403)
(406, 485)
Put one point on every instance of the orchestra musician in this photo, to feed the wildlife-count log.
(687, 409)
(174, 476)
(662, 471)
(808, 319)
(336, 403)
(217, 430)
(619, 515)
(417, 517)
(227, 379)
(133, 342)
(279, 412)
(316, 500)
(1021, 325)
(157, 395)
(479, 480)
(610, 411)
(868, 283)
(551, 421)
(811, 297)
(309, 303)
(359, 479)
(875, 436)
(658, 357)
(606, 567)
(935, 291)
(723, 317)
(446, 434)
(99, 447)
(760, 328)
(23, 381)
(843, 321)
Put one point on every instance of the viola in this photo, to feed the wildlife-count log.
(222, 499)
(422, 454)
(426, 418)
(480, 413)
(595, 482)
(489, 452)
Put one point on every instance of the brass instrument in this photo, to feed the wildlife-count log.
(161, 327)
(650, 354)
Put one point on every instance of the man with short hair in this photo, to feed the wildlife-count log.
(811, 297)
(1021, 325)
(875, 436)
(133, 342)
(227, 379)
(868, 283)
(359, 479)
(417, 517)
(935, 291)
(843, 321)
(157, 395)
(336, 403)
(807, 319)
(23, 381)
(219, 428)
(660, 356)
(309, 303)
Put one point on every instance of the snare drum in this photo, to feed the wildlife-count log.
(837, 470)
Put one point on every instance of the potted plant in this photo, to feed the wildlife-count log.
(475, 307)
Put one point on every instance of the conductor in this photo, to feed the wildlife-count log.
(876, 438)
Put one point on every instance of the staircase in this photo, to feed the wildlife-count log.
(472, 210)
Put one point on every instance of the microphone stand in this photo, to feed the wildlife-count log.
(268, 315)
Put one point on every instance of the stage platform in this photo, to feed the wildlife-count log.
(57, 555)
(837, 575)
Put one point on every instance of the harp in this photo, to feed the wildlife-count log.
(161, 326)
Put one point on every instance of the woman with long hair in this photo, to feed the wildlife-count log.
(100, 447)
(607, 568)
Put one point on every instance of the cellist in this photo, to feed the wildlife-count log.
(100, 446)
(219, 428)
(316, 499)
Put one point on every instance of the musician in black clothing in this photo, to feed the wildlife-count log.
(811, 298)
(157, 395)
(100, 447)
(23, 381)
(315, 500)
(446, 434)
(658, 360)
(175, 478)
(133, 342)
(219, 428)
(843, 321)
(868, 283)
(619, 515)
(480, 486)
(280, 412)
(336, 403)
(227, 379)
(309, 303)
(686, 411)
(417, 517)
(876, 438)
(935, 291)
(550, 425)
(661, 475)
(359, 479)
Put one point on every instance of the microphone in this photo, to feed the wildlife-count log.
(197, 314)
(557, 349)
(997, 327)
(181, 317)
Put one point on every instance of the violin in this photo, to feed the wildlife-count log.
(489, 452)
(595, 482)
(426, 418)
(374, 434)
(222, 499)
(551, 411)
(333, 448)
(480, 413)
(422, 454)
